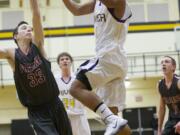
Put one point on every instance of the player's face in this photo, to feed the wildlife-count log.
(65, 62)
(167, 66)
(24, 32)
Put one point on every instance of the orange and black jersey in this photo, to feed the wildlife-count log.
(34, 80)
(171, 97)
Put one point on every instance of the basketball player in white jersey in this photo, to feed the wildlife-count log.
(106, 72)
(74, 108)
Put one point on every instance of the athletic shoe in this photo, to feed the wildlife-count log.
(114, 125)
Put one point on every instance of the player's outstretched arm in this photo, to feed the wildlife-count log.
(3, 53)
(9, 55)
(38, 38)
(79, 8)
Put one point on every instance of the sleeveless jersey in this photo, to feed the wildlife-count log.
(73, 106)
(110, 31)
(34, 80)
(171, 97)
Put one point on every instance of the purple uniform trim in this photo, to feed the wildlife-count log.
(111, 10)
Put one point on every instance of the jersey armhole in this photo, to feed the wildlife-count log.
(126, 16)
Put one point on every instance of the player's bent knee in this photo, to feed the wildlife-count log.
(76, 87)
(73, 91)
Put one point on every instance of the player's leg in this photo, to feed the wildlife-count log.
(85, 128)
(113, 94)
(60, 116)
(48, 119)
(80, 125)
(82, 87)
(41, 123)
(91, 75)
(74, 124)
(92, 101)
(86, 97)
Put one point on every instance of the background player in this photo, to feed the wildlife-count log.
(74, 108)
(169, 89)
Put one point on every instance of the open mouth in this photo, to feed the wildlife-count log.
(163, 68)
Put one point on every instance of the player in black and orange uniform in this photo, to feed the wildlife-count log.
(169, 89)
(35, 83)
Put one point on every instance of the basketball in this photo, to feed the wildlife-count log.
(125, 131)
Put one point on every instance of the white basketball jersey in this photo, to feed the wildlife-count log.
(73, 106)
(110, 32)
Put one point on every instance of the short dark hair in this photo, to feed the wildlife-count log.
(64, 54)
(172, 60)
(15, 32)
